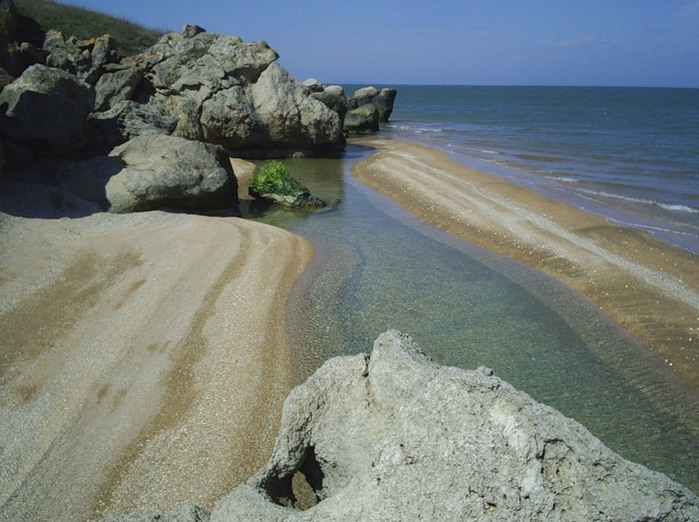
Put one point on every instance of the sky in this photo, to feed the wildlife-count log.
(645, 43)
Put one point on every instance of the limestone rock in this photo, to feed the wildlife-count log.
(47, 110)
(362, 96)
(84, 58)
(383, 100)
(394, 436)
(222, 90)
(384, 103)
(364, 118)
(333, 96)
(163, 172)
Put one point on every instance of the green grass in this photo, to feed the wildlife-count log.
(274, 178)
(70, 20)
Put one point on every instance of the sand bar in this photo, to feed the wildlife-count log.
(143, 359)
(642, 283)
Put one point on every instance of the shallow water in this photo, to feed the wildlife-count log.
(378, 268)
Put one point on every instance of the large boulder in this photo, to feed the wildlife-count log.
(46, 109)
(225, 91)
(333, 96)
(394, 436)
(164, 172)
(153, 172)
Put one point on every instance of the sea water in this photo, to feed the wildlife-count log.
(630, 154)
(378, 268)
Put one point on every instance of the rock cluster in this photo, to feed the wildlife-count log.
(365, 110)
(75, 101)
(393, 436)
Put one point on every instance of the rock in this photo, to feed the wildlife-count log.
(225, 91)
(47, 109)
(190, 31)
(115, 86)
(364, 118)
(313, 85)
(86, 59)
(362, 96)
(396, 437)
(383, 100)
(333, 96)
(291, 118)
(384, 103)
(273, 182)
(123, 122)
(162, 172)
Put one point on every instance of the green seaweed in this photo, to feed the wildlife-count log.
(273, 178)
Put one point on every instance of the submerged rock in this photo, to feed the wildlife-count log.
(272, 182)
(393, 436)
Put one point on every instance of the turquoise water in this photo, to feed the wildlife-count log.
(630, 154)
(379, 268)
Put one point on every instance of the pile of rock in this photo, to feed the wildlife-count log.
(363, 111)
(393, 436)
(72, 100)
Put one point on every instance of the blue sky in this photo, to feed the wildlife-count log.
(471, 42)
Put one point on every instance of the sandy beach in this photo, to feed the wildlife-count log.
(648, 286)
(143, 359)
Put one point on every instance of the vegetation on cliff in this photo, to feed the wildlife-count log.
(83, 23)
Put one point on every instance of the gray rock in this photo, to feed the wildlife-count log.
(364, 118)
(396, 437)
(384, 103)
(124, 121)
(225, 91)
(116, 86)
(164, 172)
(190, 31)
(291, 118)
(47, 110)
(362, 96)
(313, 85)
(333, 97)
(86, 59)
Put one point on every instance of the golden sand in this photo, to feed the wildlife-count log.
(143, 361)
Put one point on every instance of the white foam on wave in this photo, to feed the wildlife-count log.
(667, 206)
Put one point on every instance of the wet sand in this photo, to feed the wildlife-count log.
(143, 361)
(642, 283)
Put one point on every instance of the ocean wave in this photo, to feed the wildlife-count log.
(674, 207)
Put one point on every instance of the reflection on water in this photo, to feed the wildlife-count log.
(378, 268)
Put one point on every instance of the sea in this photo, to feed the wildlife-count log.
(629, 154)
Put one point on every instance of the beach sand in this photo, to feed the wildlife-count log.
(143, 361)
(648, 286)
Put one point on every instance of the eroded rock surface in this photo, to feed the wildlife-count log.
(393, 436)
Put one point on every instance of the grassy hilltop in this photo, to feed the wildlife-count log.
(70, 20)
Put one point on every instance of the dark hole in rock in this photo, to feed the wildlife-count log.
(301, 489)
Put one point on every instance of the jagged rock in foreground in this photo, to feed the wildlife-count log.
(394, 436)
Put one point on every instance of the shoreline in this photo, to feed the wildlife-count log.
(150, 363)
(642, 283)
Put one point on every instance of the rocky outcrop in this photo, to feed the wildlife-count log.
(86, 59)
(46, 110)
(362, 118)
(393, 436)
(221, 90)
(368, 97)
